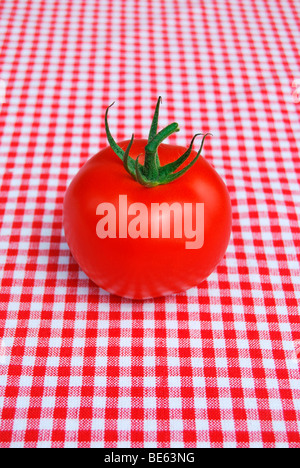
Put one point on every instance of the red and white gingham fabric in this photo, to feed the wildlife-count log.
(216, 366)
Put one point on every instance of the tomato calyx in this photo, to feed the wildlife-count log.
(152, 173)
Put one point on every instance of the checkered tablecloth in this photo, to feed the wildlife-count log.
(217, 366)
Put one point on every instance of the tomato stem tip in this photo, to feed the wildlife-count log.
(152, 173)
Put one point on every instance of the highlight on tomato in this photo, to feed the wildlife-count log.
(145, 219)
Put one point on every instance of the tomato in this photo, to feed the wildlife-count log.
(153, 229)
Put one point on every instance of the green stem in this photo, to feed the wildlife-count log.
(153, 129)
(151, 168)
(127, 161)
(173, 166)
(152, 173)
(114, 146)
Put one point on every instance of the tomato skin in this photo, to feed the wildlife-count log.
(145, 267)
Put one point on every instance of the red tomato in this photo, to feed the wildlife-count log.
(130, 244)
